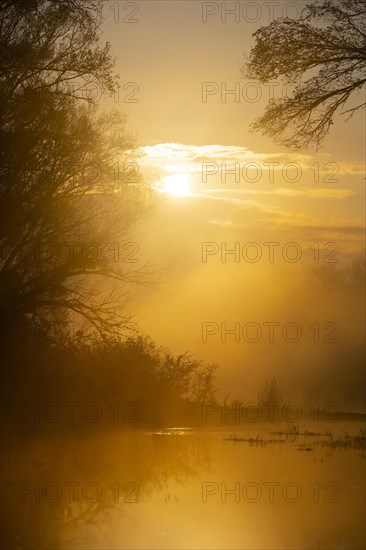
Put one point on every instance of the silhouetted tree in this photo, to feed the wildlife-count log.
(269, 392)
(59, 157)
(323, 53)
(346, 282)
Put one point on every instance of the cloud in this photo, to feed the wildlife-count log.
(325, 193)
(216, 162)
(315, 207)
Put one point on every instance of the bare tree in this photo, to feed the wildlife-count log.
(58, 186)
(323, 54)
(269, 392)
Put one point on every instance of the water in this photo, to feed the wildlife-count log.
(187, 489)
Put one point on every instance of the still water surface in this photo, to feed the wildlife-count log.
(189, 489)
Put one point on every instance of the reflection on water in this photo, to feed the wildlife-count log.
(185, 488)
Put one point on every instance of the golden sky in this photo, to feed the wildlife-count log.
(217, 182)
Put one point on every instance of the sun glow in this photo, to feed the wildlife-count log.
(177, 184)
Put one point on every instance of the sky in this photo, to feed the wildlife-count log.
(222, 188)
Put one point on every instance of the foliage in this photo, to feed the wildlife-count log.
(134, 371)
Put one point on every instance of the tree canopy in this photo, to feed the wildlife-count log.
(323, 54)
(61, 202)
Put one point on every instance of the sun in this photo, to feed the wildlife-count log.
(177, 184)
